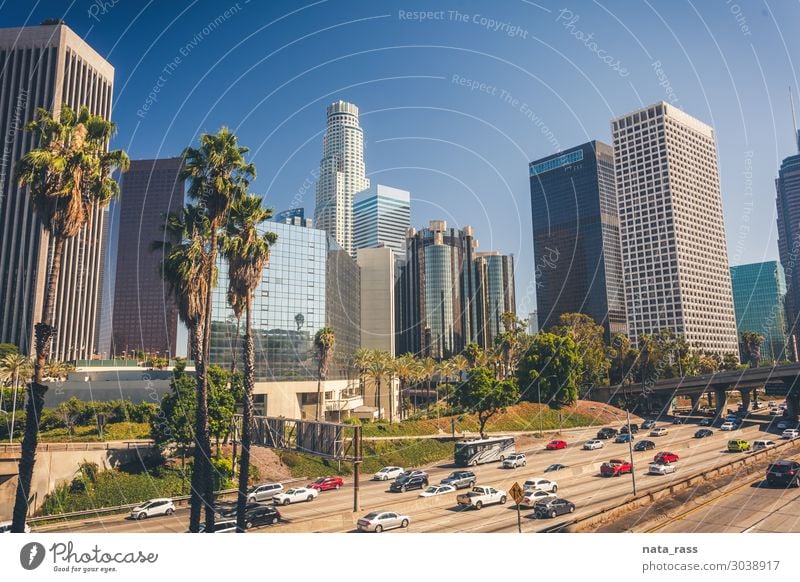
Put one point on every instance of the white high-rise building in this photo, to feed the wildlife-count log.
(341, 174)
(674, 254)
(382, 218)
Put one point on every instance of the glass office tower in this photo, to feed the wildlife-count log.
(788, 204)
(494, 294)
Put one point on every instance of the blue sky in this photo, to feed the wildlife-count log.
(454, 105)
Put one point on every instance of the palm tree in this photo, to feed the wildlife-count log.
(218, 175)
(247, 252)
(324, 342)
(429, 369)
(361, 361)
(379, 367)
(13, 368)
(751, 347)
(69, 178)
(406, 368)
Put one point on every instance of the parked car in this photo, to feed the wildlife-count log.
(295, 495)
(5, 527)
(554, 467)
(411, 473)
(662, 468)
(648, 424)
(434, 490)
(377, 521)
(606, 433)
(407, 483)
(460, 479)
(540, 485)
(555, 445)
(657, 432)
(727, 425)
(388, 473)
(665, 457)
(623, 438)
(255, 514)
(707, 422)
(593, 444)
(534, 495)
(785, 473)
(644, 446)
(263, 492)
(776, 411)
(761, 445)
(482, 495)
(327, 483)
(790, 433)
(514, 460)
(615, 468)
(152, 508)
(634, 428)
(738, 446)
(553, 507)
(703, 433)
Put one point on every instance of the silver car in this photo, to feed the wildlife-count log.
(378, 521)
(263, 492)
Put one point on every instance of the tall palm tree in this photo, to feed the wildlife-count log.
(361, 361)
(324, 342)
(379, 367)
(247, 251)
(68, 177)
(14, 368)
(405, 368)
(429, 368)
(218, 175)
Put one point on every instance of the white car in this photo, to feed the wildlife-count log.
(388, 473)
(662, 468)
(263, 492)
(534, 495)
(540, 485)
(761, 445)
(776, 411)
(727, 426)
(434, 490)
(153, 507)
(294, 495)
(790, 433)
(514, 460)
(657, 432)
(593, 444)
(378, 521)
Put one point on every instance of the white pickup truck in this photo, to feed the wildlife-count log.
(480, 496)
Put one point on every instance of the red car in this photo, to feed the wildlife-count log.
(615, 468)
(555, 445)
(326, 483)
(665, 457)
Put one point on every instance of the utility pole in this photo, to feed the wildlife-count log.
(630, 445)
(356, 467)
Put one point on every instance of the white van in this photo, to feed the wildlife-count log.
(761, 445)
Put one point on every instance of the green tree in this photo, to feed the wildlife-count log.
(175, 420)
(68, 176)
(8, 349)
(622, 360)
(476, 355)
(550, 370)
(324, 344)
(729, 362)
(589, 339)
(751, 347)
(484, 396)
(15, 370)
(380, 368)
(221, 403)
(407, 369)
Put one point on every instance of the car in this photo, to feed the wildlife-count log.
(662, 468)
(776, 411)
(294, 495)
(220, 526)
(785, 473)
(678, 420)
(254, 514)
(615, 468)
(762, 444)
(784, 424)
(732, 418)
(648, 424)
(738, 446)
(657, 432)
(5, 527)
(411, 473)
(378, 521)
(665, 457)
(556, 445)
(388, 473)
(480, 496)
(606, 433)
(634, 428)
(790, 433)
(706, 422)
(554, 467)
(327, 483)
(434, 490)
(624, 438)
(593, 444)
(534, 495)
(644, 446)
(552, 507)
(514, 460)
(728, 426)
(460, 479)
(703, 433)
(406, 483)
(771, 404)
(539, 484)
(163, 506)
(263, 492)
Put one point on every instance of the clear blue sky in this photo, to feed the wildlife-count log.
(268, 69)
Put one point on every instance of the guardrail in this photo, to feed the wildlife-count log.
(87, 446)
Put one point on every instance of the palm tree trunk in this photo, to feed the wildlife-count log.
(44, 335)
(378, 387)
(202, 430)
(13, 407)
(318, 410)
(391, 399)
(247, 420)
(197, 497)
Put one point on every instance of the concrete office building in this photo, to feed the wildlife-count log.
(494, 295)
(382, 218)
(675, 260)
(788, 204)
(46, 66)
(342, 174)
(576, 246)
(377, 298)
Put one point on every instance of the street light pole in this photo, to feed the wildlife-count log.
(630, 443)
(539, 390)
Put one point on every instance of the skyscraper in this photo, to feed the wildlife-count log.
(46, 66)
(674, 254)
(377, 298)
(494, 295)
(758, 297)
(341, 174)
(576, 246)
(145, 316)
(788, 202)
(382, 218)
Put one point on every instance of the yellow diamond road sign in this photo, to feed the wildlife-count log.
(516, 493)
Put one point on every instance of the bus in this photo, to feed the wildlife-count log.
(473, 452)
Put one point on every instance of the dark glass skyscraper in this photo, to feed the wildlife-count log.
(494, 294)
(576, 245)
(788, 203)
(758, 299)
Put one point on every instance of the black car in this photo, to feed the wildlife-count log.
(703, 433)
(256, 514)
(634, 428)
(784, 473)
(460, 479)
(553, 507)
(554, 467)
(644, 446)
(407, 483)
(606, 433)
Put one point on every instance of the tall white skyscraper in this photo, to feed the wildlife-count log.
(341, 174)
(675, 260)
(382, 218)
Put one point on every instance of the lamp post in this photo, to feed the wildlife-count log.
(630, 441)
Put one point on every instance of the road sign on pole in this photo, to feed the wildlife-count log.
(517, 494)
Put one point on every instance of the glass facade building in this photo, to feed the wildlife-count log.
(576, 244)
(758, 299)
(788, 205)
(494, 294)
(382, 218)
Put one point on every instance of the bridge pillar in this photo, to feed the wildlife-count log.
(755, 398)
(710, 396)
(721, 398)
(745, 392)
(695, 400)
(792, 406)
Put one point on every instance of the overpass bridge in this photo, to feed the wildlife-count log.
(779, 381)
